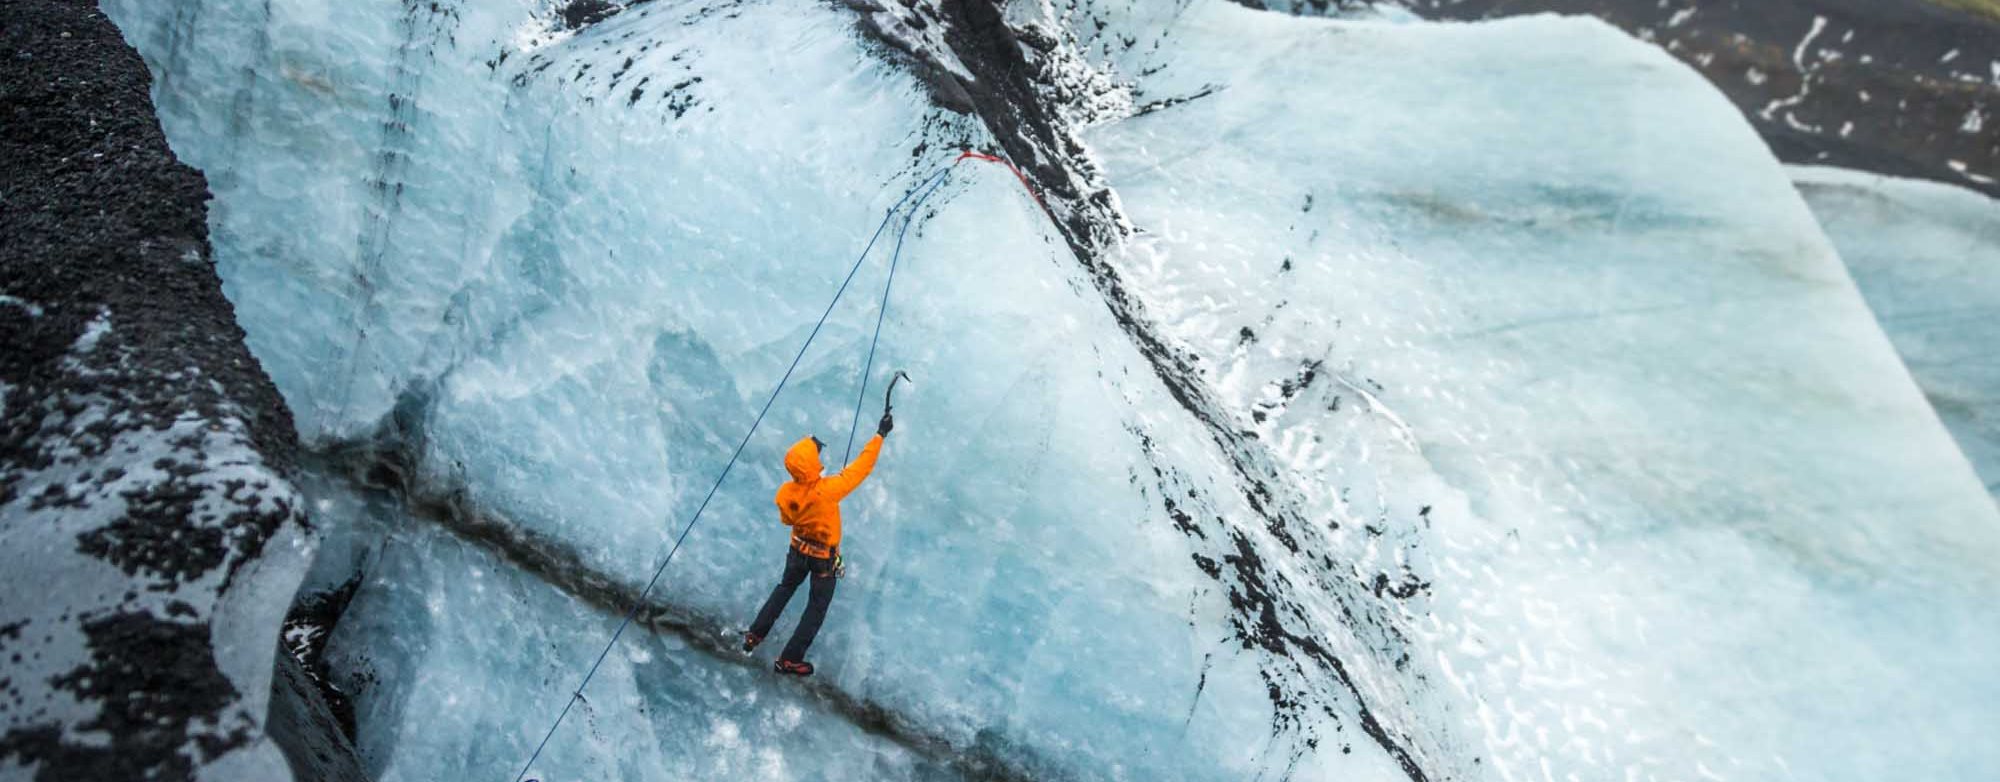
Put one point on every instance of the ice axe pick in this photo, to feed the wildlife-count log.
(889, 399)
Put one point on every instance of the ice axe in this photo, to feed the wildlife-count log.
(888, 399)
(888, 404)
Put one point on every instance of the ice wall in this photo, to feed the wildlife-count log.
(1927, 257)
(1554, 440)
(1683, 512)
(441, 626)
(570, 272)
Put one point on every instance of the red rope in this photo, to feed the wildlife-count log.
(1017, 175)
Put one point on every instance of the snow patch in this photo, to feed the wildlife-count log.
(34, 310)
(1806, 73)
(92, 332)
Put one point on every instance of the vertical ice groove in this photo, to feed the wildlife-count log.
(422, 27)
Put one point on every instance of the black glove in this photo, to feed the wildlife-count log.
(888, 423)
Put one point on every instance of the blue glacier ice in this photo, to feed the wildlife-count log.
(588, 336)
(422, 637)
(1519, 423)
(1925, 256)
(1698, 514)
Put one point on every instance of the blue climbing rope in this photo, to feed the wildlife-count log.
(577, 694)
(861, 395)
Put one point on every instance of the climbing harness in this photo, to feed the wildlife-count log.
(921, 193)
(811, 548)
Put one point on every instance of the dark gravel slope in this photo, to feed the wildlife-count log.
(1903, 87)
(144, 455)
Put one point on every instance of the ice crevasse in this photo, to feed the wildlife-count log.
(1519, 422)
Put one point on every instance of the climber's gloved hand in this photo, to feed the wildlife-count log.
(888, 423)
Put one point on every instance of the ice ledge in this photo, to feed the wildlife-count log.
(371, 469)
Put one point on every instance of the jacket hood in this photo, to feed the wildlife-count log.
(802, 461)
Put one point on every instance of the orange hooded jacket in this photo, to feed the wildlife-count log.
(810, 504)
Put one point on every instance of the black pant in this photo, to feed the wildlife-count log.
(796, 567)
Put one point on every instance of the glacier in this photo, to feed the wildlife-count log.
(618, 437)
(1398, 401)
(1586, 332)
(1924, 254)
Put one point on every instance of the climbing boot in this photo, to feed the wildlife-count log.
(750, 642)
(794, 668)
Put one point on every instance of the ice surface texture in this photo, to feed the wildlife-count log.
(574, 297)
(1689, 513)
(1579, 452)
(443, 626)
(1927, 257)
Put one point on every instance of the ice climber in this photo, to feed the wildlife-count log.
(810, 504)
